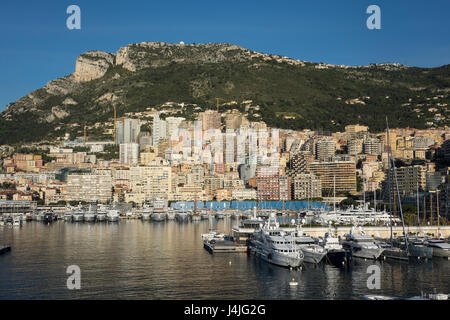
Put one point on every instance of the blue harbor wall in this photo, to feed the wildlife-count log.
(248, 205)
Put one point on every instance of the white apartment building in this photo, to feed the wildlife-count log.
(89, 187)
(159, 130)
(149, 182)
(243, 194)
(129, 153)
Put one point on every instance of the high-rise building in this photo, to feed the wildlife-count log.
(325, 148)
(307, 186)
(173, 125)
(159, 129)
(299, 163)
(409, 179)
(268, 184)
(355, 146)
(145, 140)
(433, 180)
(342, 174)
(127, 130)
(211, 119)
(372, 146)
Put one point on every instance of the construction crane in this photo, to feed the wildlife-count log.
(217, 99)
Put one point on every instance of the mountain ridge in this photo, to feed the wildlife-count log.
(291, 93)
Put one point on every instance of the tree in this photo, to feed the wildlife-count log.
(348, 202)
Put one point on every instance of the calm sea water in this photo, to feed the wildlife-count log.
(147, 260)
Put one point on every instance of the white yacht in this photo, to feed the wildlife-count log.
(68, 216)
(101, 216)
(90, 215)
(275, 245)
(78, 216)
(182, 215)
(112, 215)
(17, 221)
(146, 212)
(159, 212)
(313, 252)
(361, 244)
(170, 214)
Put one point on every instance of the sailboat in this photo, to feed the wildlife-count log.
(409, 246)
(391, 252)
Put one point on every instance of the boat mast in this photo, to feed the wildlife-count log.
(389, 176)
(399, 200)
(418, 210)
(334, 194)
(375, 199)
(364, 193)
(438, 215)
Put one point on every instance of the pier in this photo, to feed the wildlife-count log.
(223, 246)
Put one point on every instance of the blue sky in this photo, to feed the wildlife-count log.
(36, 46)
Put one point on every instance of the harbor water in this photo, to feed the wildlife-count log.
(136, 259)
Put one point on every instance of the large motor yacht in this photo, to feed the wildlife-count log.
(276, 246)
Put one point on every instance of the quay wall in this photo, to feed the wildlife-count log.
(383, 232)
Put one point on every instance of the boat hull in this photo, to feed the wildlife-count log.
(182, 218)
(366, 253)
(275, 258)
(395, 253)
(441, 253)
(338, 257)
(158, 217)
(77, 218)
(170, 216)
(48, 219)
(89, 218)
(420, 252)
(312, 256)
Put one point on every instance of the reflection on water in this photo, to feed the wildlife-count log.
(147, 260)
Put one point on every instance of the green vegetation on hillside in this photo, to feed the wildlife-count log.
(308, 97)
